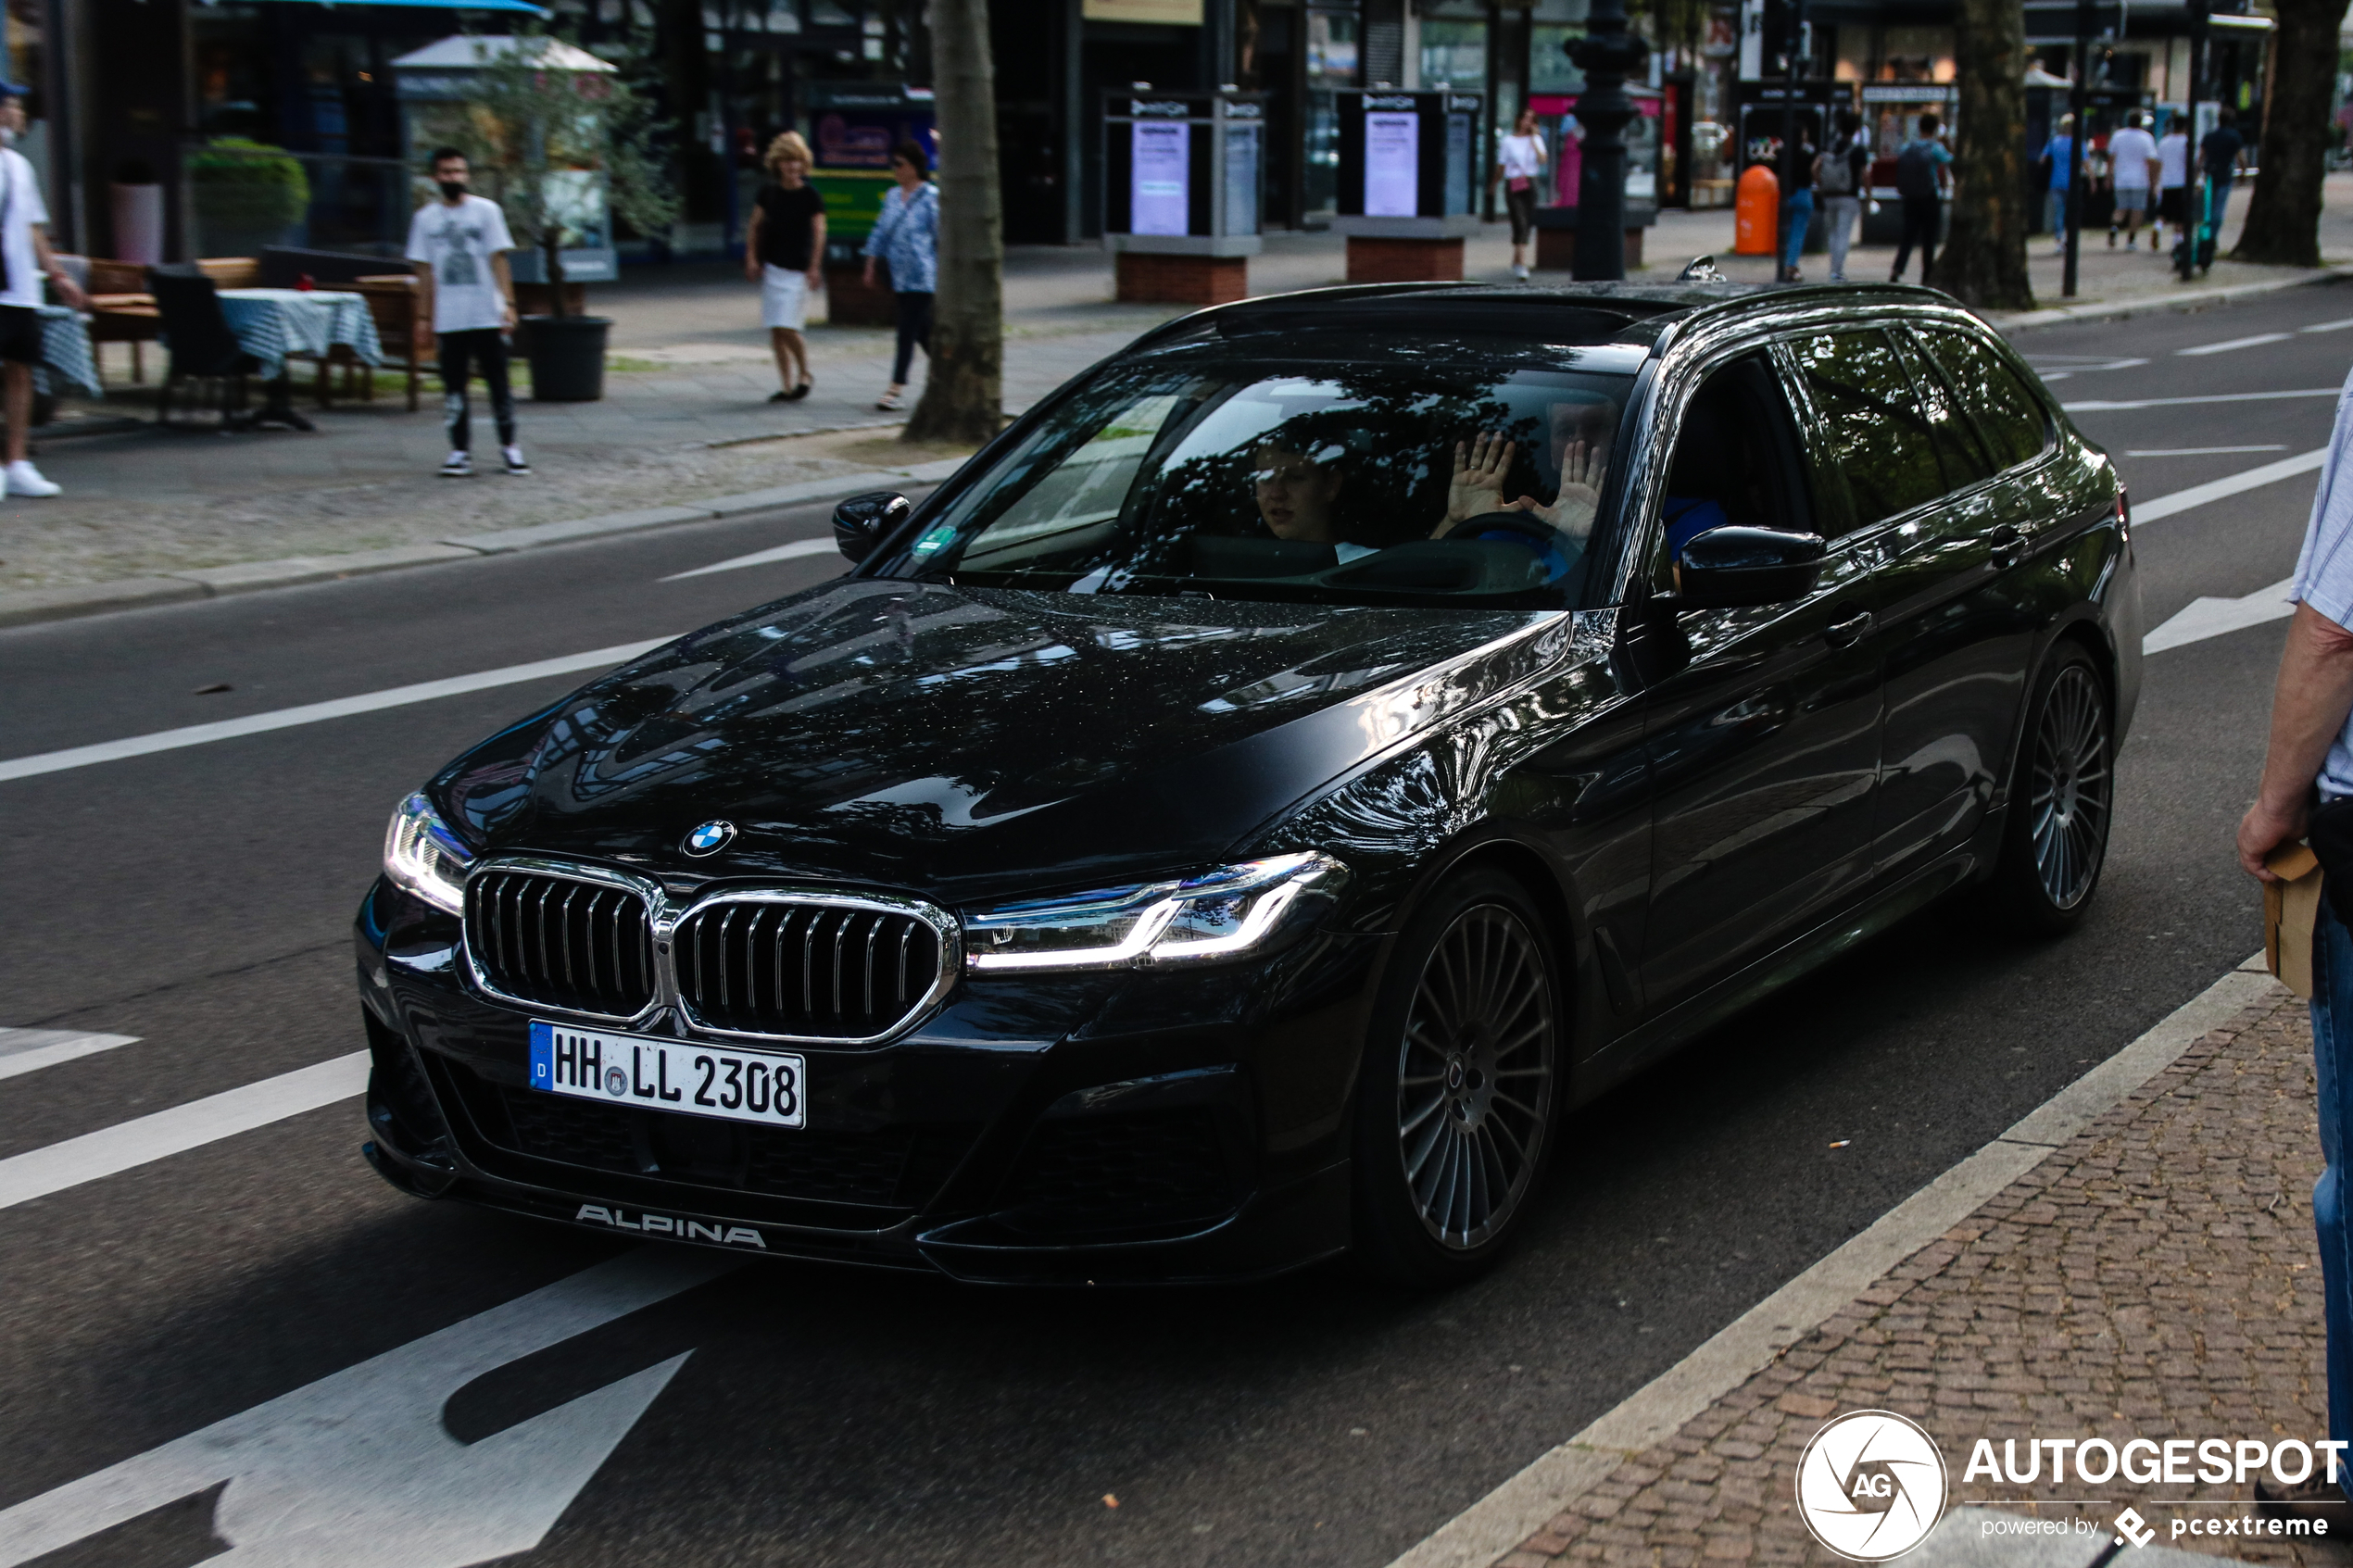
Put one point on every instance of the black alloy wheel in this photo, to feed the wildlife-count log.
(2062, 800)
(1461, 1084)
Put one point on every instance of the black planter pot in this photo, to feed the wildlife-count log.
(567, 354)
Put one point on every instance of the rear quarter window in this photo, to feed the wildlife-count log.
(2012, 420)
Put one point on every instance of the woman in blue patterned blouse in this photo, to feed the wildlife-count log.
(906, 239)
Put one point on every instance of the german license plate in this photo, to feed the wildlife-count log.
(768, 1087)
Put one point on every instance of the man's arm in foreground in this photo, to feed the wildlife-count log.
(2309, 710)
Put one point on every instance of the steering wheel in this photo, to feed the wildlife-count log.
(1559, 551)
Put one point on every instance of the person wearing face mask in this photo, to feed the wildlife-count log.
(25, 259)
(462, 239)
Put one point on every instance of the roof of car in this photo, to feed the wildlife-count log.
(1582, 313)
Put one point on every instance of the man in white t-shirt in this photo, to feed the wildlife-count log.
(24, 250)
(2132, 156)
(463, 241)
(2173, 180)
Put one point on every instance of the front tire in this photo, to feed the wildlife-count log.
(2062, 800)
(1459, 1091)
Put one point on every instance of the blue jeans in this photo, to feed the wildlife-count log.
(2332, 1061)
(1797, 215)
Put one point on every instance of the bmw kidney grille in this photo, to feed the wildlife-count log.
(580, 946)
(805, 971)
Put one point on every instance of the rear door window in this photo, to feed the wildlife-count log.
(1956, 444)
(1878, 433)
(2008, 415)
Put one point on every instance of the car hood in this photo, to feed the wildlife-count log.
(955, 741)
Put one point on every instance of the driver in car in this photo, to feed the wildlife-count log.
(1296, 489)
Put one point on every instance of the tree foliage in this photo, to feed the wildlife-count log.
(2283, 218)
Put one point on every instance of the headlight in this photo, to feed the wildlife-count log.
(422, 857)
(1221, 913)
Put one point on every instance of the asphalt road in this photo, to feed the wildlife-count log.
(198, 899)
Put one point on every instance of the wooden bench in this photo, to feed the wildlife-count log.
(402, 331)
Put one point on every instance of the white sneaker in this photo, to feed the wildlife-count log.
(515, 462)
(458, 465)
(1520, 272)
(25, 479)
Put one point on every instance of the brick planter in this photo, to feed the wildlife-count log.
(1378, 259)
(850, 303)
(1556, 249)
(1148, 278)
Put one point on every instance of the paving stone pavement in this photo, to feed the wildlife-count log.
(2155, 1277)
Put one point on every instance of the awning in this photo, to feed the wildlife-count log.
(425, 4)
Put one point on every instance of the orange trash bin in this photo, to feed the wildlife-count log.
(1755, 211)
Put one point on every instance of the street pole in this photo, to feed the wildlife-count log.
(1606, 53)
(2079, 100)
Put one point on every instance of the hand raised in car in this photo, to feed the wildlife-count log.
(1583, 468)
(1477, 483)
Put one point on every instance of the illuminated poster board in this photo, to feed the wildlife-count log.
(1392, 163)
(1162, 176)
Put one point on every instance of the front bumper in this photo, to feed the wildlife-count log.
(1132, 1127)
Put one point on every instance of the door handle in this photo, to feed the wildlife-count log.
(1839, 633)
(2007, 547)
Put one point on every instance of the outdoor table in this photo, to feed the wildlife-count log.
(271, 324)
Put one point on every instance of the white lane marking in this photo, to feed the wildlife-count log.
(2200, 451)
(2066, 364)
(1516, 1510)
(2328, 326)
(2216, 490)
(2204, 618)
(312, 713)
(2230, 344)
(2099, 406)
(30, 1050)
(794, 551)
(357, 1469)
(40, 1171)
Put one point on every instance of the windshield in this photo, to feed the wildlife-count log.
(1419, 478)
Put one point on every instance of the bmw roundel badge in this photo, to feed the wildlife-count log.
(710, 838)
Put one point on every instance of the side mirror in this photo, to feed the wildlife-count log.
(862, 522)
(1730, 568)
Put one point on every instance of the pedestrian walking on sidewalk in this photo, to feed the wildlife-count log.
(785, 253)
(2058, 153)
(2132, 153)
(25, 260)
(2173, 181)
(1797, 203)
(1919, 184)
(2311, 752)
(2219, 155)
(1839, 176)
(463, 241)
(906, 240)
(1519, 163)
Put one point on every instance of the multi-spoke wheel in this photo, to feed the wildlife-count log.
(2062, 800)
(1456, 1108)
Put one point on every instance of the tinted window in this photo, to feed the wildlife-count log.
(1332, 480)
(1879, 437)
(1734, 459)
(2008, 415)
(1956, 444)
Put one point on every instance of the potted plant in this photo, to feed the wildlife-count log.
(246, 196)
(562, 135)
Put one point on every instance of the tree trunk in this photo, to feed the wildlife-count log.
(1983, 264)
(964, 390)
(2283, 218)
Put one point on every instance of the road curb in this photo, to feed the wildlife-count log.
(32, 605)
(1498, 1523)
(2154, 304)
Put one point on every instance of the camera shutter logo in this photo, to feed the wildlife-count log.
(1872, 1485)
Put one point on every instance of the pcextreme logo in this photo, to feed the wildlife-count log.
(1872, 1485)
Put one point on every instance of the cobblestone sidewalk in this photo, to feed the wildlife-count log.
(2155, 1277)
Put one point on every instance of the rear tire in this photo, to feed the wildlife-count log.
(1459, 1091)
(2062, 800)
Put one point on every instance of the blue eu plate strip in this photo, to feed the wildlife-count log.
(543, 1055)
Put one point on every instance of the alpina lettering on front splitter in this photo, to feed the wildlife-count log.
(664, 1224)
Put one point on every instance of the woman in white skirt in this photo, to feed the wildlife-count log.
(785, 253)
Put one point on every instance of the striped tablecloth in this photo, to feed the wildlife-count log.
(272, 323)
(65, 355)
